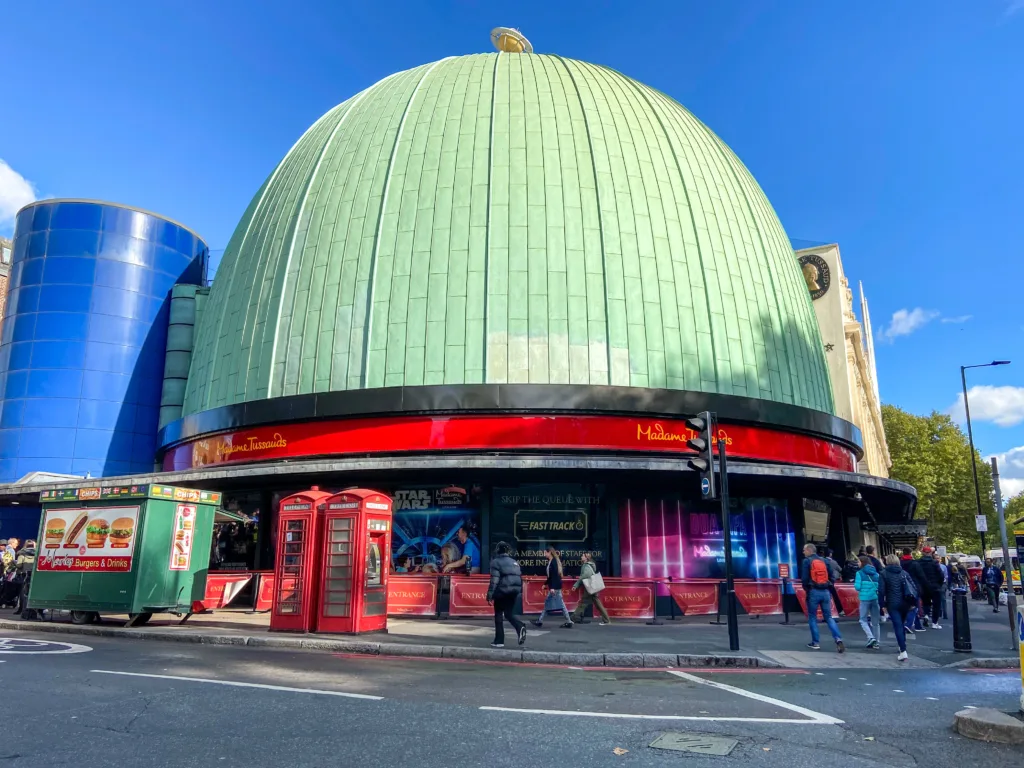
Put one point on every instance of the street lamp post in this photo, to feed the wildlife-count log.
(970, 437)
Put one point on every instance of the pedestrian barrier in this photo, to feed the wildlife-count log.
(412, 594)
(534, 592)
(849, 598)
(760, 598)
(625, 598)
(695, 598)
(468, 596)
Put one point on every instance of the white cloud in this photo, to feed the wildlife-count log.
(15, 191)
(1003, 406)
(1011, 472)
(1013, 6)
(958, 318)
(905, 321)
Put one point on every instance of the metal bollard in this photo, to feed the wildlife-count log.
(961, 623)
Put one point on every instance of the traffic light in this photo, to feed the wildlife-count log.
(703, 444)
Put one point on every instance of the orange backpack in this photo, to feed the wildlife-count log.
(819, 574)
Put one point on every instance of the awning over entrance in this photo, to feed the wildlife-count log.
(883, 500)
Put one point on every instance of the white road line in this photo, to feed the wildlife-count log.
(620, 716)
(931, 698)
(818, 716)
(238, 684)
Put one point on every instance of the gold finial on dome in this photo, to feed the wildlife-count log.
(508, 40)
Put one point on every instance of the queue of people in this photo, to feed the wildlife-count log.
(17, 561)
(911, 593)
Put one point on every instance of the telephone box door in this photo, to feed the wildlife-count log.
(296, 562)
(374, 603)
(356, 557)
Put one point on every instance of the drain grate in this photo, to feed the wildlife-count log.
(700, 743)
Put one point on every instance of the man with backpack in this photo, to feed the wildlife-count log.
(814, 575)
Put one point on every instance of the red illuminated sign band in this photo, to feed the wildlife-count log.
(424, 434)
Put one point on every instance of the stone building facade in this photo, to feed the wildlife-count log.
(849, 350)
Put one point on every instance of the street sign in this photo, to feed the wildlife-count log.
(705, 486)
(783, 570)
(981, 524)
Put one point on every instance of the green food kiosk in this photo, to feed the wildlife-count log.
(136, 550)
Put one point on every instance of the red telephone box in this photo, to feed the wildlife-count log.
(356, 555)
(296, 569)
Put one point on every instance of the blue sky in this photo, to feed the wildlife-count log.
(893, 129)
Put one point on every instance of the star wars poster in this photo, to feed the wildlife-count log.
(436, 529)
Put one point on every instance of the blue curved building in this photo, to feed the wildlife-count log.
(84, 337)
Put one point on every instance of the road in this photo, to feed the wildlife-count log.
(157, 704)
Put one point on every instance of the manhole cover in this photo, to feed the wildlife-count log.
(701, 743)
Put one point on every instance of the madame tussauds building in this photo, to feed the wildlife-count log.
(493, 287)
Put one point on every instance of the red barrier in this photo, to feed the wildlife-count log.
(221, 589)
(695, 598)
(412, 595)
(801, 596)
(534, 593)
(849, 598)
(759, 598)
(468, 596)
(265, 591)
(628, 598)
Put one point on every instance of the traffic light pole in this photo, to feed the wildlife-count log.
(730, 586)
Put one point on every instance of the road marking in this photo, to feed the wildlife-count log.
(22, 646)
(842, 678)
(621, 716)
(819, 717)
(931, 698)
(896, 690)
(238, 684)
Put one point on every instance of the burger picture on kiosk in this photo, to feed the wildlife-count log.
(96, 533)
(121, 531)
(54, 533)
(74, 531)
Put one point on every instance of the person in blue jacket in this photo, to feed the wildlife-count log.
(866, 584)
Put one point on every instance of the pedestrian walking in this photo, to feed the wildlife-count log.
(815, 577)
(992, 581)
(913, 569)
(852, 566)
(23, 569)
(945, 587)
(503, 591)
(897, 596)
(931, 573)
(866, 583)
(553, 600)
(589, 575)
(869, 550)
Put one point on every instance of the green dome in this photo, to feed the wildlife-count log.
(508, 218)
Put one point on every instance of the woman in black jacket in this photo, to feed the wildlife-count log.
(503, 591)
(893, 598)
(553, 600)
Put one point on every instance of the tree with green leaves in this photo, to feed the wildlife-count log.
(1014, 509)
(932, 454)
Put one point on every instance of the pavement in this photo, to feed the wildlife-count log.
(91, 701)
(685, 642)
